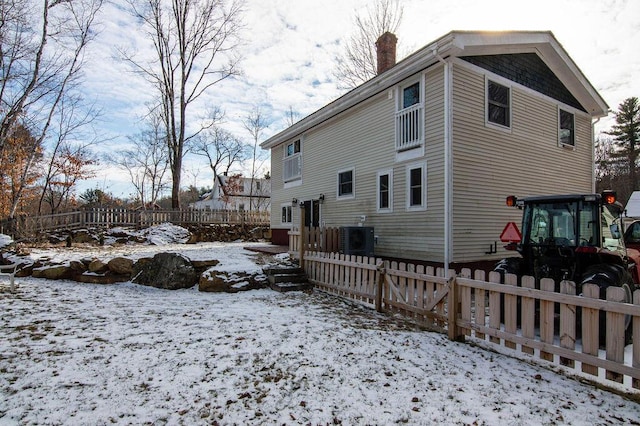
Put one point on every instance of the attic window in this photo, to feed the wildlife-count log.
(498, 104)
(566, 131)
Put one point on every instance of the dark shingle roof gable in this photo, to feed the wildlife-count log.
(530, 71)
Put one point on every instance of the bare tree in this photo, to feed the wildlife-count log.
(41, 46)
(147, 164)
(255, 122)
(195, 43)
(358, 62)
(222, 149)
(292, 116)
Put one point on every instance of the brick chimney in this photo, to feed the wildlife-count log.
(386, 51)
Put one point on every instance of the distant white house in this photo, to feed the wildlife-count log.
(632, 209)
(236, 193)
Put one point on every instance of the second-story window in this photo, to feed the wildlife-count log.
(409, 117)
(292, 167)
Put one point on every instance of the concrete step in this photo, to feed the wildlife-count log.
(287, 278)
(284, 286)
(277, 270)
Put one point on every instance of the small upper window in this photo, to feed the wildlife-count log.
(498, 104)
(292, 164)
(293, 148)
(411, 95)
(346, 183)
(566, 131)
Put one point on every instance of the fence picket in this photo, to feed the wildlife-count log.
(420, 294)
(528, 314)
(567, 323)
(547, 316)
(615, 333)
(510, 310)
(590, 328)
(480, 304)
(465, 302)
(494, 306)
(635, 360)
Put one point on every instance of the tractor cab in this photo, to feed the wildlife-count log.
(562, 235)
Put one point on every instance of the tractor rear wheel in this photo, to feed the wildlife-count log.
(605, 276)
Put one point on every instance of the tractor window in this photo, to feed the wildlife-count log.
(539, 225)
(588, 232)
(611, 230)
(570, 223)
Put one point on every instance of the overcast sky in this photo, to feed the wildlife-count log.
(290, 46)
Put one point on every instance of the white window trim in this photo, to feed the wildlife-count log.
(390, 208)
(410, 82)
(285, 205)
(575, 136)
(408, 168)
(296, 180)
(418, 150)
(353, 184)
(503, 82)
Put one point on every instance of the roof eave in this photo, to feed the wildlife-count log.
(460, 43)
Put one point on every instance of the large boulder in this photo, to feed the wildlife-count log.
(169, 271)
(54, 272)
(121, 266)
(97, 266)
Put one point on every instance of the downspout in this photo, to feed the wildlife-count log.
(593, 154)
(448, 162)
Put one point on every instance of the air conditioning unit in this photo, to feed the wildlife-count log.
(357, 240)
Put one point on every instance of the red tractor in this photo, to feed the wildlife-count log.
(577, 238)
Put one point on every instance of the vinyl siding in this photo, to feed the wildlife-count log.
(489, 164)
(363, 138)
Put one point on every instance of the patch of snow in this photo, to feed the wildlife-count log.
(127, 354)
(74, 353)
(5, 240)
(165, 233)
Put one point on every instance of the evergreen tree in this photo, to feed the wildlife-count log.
(626, 133)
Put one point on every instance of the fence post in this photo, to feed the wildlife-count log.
(380, 285)
(302, 238)
(452, 309)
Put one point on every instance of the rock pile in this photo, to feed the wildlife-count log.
(169, 271)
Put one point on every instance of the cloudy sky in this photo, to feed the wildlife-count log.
(290, 46)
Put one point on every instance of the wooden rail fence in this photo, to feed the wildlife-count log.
(26, 225)
(561, 328)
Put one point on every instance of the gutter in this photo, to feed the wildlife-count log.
(593, 154)
(448, 159)
(409, 66)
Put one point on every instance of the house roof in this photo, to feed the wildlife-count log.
(456, 44)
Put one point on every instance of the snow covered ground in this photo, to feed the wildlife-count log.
(84, 354)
